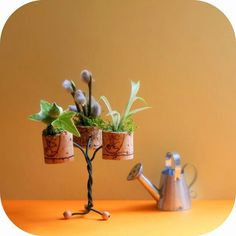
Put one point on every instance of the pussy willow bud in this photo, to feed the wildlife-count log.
(96, 109)
(80, 98)
(72, 108)
(86, 76)
(67, 85)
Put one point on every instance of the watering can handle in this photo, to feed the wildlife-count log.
(195, 174)
(176, 160)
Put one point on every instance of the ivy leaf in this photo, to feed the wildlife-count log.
(55, 111)
(36, 117)
(45, 107)
(43, 115)
(64, 121)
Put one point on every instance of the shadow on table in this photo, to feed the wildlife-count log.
(144, 207)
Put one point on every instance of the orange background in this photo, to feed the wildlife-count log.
(183, 52)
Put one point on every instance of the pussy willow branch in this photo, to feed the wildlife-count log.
(90, 95)
(77, 106)
(84, 110)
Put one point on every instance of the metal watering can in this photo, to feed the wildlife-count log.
(173, 193)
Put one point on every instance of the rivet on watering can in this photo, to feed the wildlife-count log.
(137, 173)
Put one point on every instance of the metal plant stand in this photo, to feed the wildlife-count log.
(89, 206)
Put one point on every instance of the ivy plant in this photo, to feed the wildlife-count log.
(55, 118)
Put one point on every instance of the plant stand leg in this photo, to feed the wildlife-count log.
(89, 207)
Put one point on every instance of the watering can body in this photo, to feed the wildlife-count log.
(173, 193)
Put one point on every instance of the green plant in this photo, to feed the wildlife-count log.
(121, 123)
(55, 118)
(87, 109)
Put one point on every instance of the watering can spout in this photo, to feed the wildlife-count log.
(137, 173)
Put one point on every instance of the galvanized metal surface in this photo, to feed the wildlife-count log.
(174, 193)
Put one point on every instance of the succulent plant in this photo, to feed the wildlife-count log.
(122, 123)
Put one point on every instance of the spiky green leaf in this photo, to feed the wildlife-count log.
(116, 118)
(137, 110)
(110, 111)
(140, 99)
(134, 90)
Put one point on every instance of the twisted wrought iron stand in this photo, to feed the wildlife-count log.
(89, 206)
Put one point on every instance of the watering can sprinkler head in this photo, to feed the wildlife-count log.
(135, 172)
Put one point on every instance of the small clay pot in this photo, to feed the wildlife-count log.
(117, 146)
(58, 148)
(89, 131)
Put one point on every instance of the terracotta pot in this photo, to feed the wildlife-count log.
(86, 132)
(117, 145)
(58, 148)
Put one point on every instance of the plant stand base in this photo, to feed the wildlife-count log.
(89, 206)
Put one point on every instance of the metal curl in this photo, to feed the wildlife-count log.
(89, 206)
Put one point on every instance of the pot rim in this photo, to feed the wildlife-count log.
(87, 126)
(119, 132)
(63, 132)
